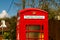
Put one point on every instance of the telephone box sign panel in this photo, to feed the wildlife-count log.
(30, 26)
(33, 17)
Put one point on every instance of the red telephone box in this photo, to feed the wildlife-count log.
(32, 24)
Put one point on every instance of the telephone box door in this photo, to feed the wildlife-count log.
(35, 32)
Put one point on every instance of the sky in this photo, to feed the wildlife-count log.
(10, 7)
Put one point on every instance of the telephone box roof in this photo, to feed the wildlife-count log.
(31, 9)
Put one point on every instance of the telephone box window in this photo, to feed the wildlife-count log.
(32, 35)
(35, 35)
(33, 27)
(33, 32)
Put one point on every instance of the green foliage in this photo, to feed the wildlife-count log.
(44, 5)
(13, 28)
(6, 35)
(11, 34)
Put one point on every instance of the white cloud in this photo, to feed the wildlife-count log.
(4, 14)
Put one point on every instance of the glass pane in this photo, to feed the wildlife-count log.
(27, 39)
(34, 35)
(34, 39)
(42, 39)
(33, 27)
(41, 35)
(27, 28)
(27, 35)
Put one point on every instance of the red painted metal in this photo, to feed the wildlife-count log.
(21, 25)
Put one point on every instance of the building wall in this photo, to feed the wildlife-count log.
(54, 30)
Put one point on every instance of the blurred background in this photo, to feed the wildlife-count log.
(9, 9)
